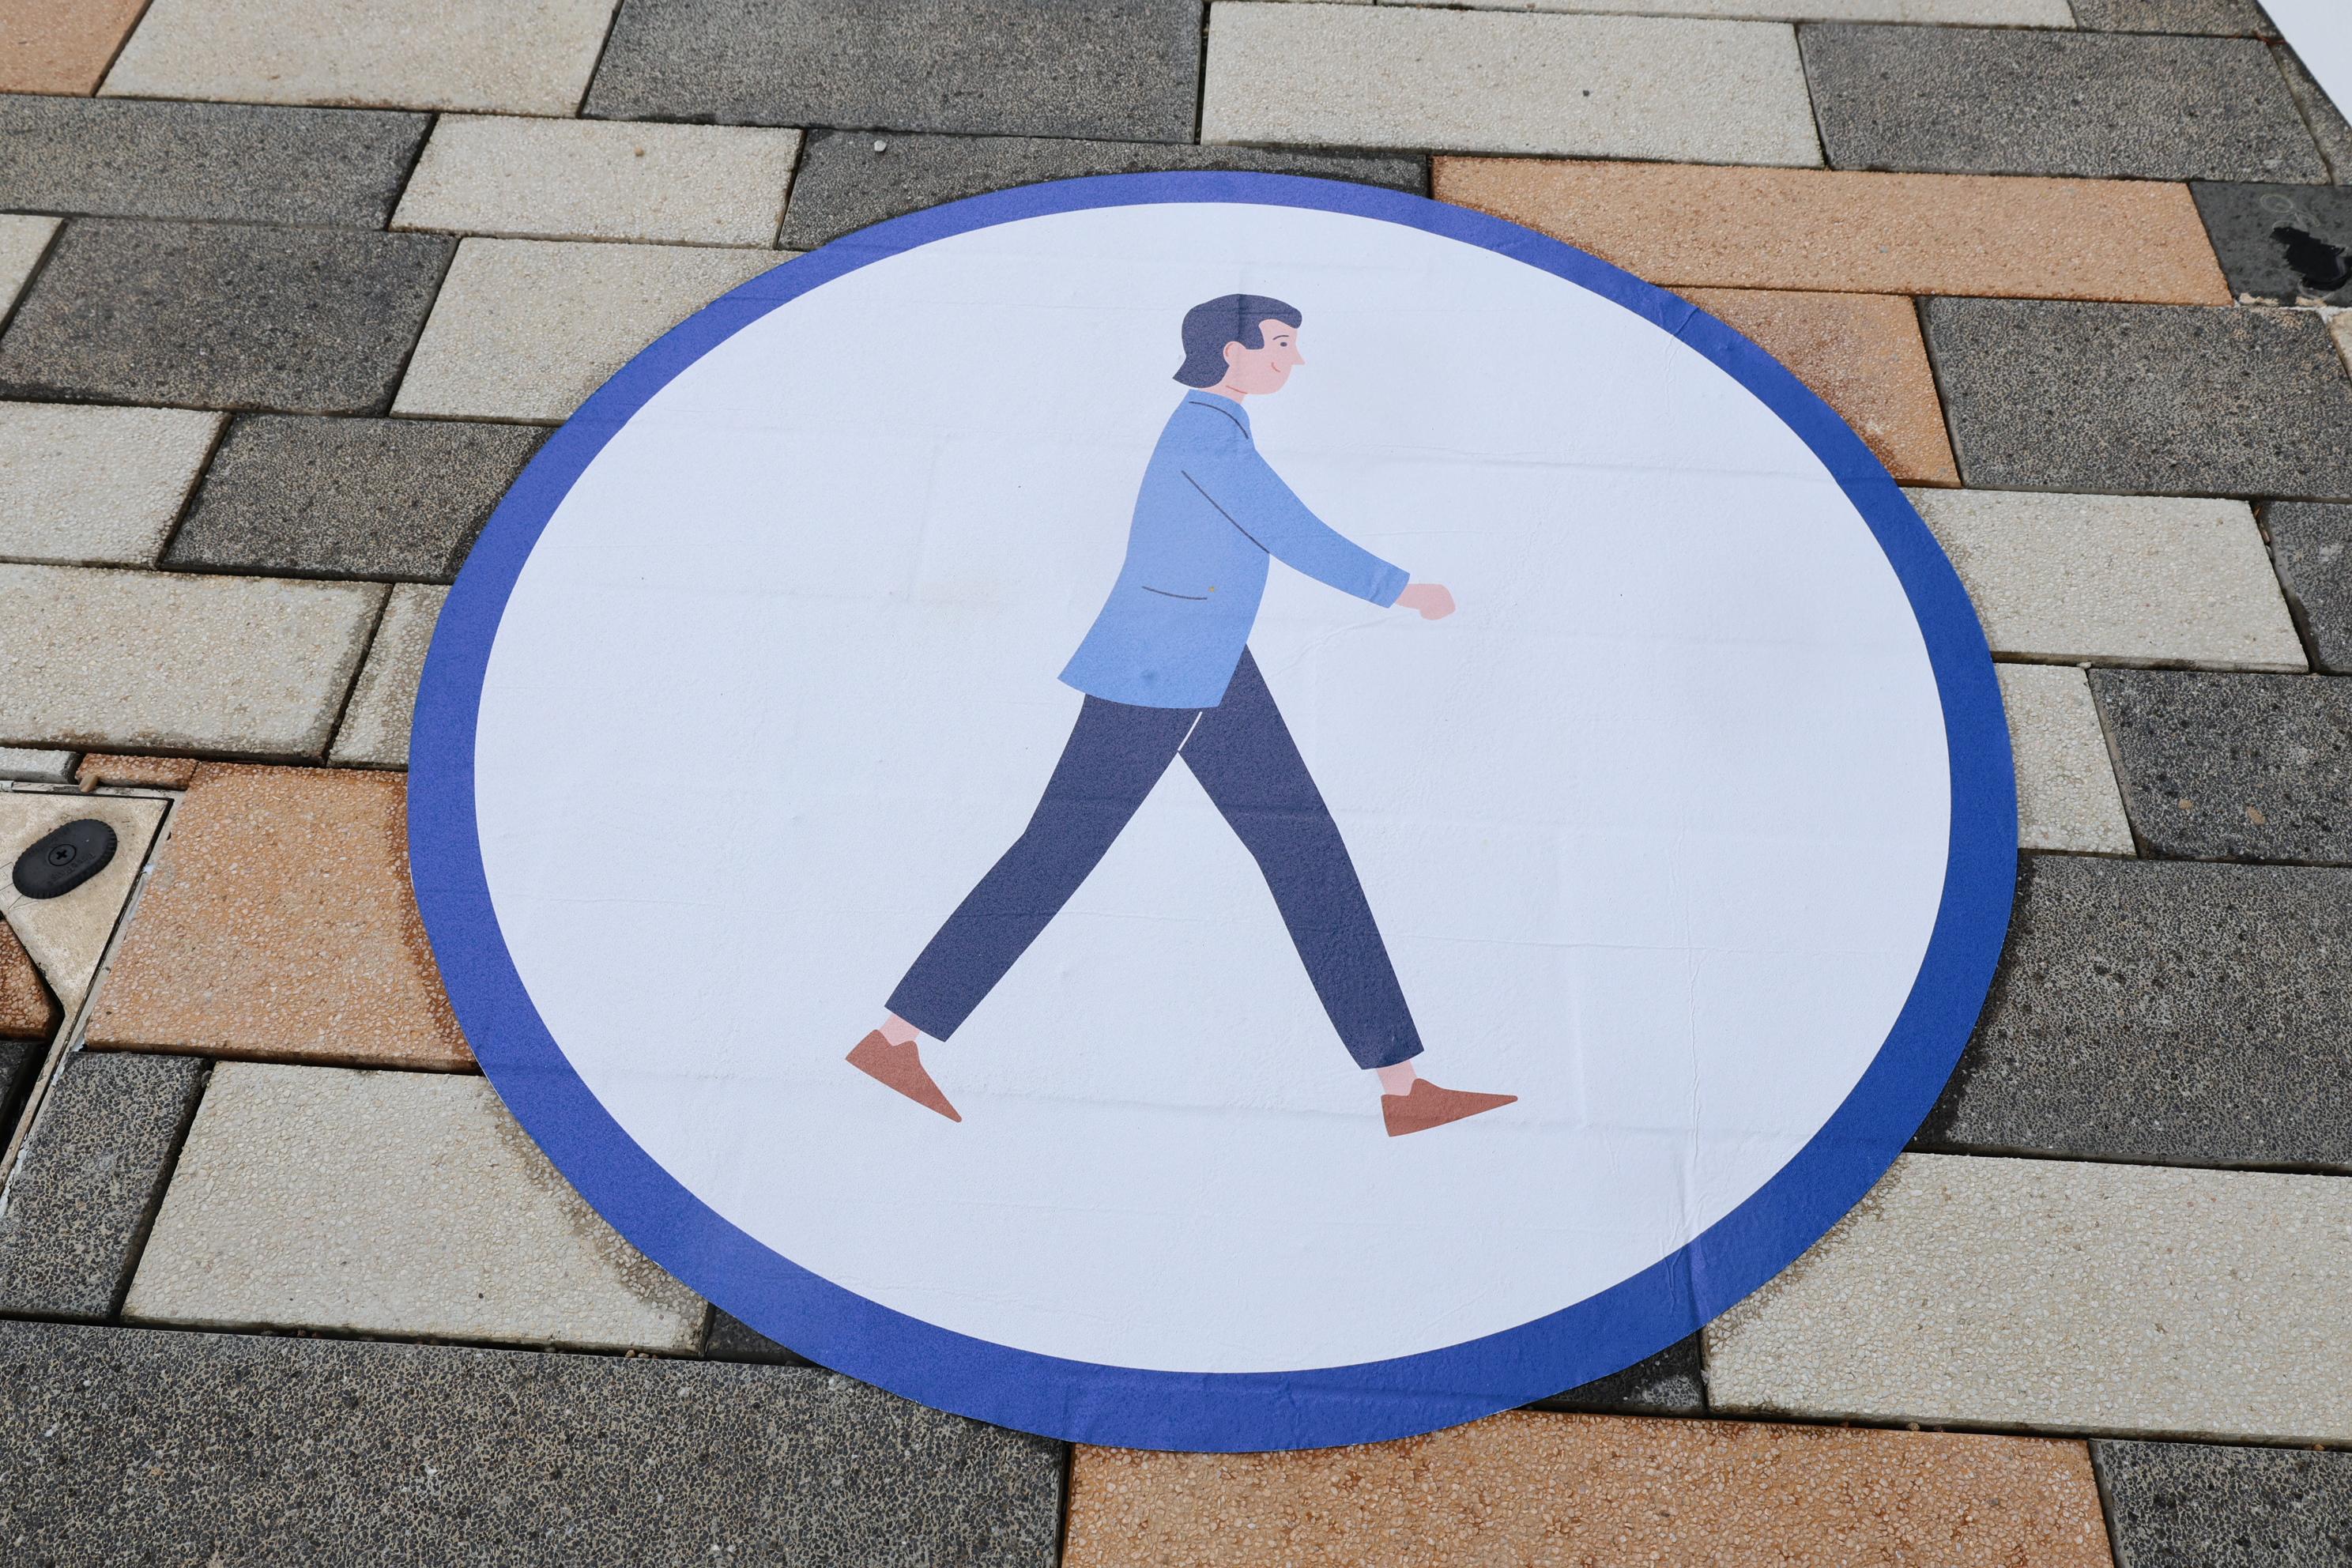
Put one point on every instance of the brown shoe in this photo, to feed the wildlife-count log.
(1426, 1106)
(901, 1067)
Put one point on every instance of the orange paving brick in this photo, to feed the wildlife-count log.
(1864, 354)
(279, 925)
(1867, 232)
(145, 772)
(1527, 1489)
(61, 46)
(27, 1011)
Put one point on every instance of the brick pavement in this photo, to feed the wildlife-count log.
(293, 291)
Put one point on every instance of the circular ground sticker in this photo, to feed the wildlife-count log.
(1213, 811)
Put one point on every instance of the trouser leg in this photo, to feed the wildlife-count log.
(1116, 752)
(1244, 756)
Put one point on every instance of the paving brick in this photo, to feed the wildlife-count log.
(1526, 1488)
(2219, 18)
(67, 936)
(2000, 13)
(2004, 102)
(27, 1012)
(391, 1203)
(138, 772)
(2319, 112)
(511, 56)
(93, 1168)
(2129, 1299)
(23, 240)
(31, 764)
(1081, 68)
(2066, 795)
(1670, 1382)
(20, 1062)
(307, 321)
(2281, 243)
(278, 923)
(383, 703)
(1683, 225)
(49, 47)
(525, 329)
(96, 486)
(729, 1338)
(1862, 352)
(2163, 1012)
(349, 497)
(850, 179)
(2312, 546)
(2142, 399)
(583, 179)
(2236, 767)
(2197, 1505)
(2130, 578)
(248, 666)
(356, 1456)
(125, 158)
(1485, 81)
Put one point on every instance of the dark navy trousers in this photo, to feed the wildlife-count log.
(1242, 752)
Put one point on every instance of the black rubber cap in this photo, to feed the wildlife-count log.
(59, 862)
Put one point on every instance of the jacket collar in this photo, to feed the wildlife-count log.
(1224, 405)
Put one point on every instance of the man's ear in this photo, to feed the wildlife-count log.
(1229, 350)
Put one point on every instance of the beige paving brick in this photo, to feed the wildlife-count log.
(35, 764)
(525, 329)
(597, 179)
(2123, 1298)
(60, 46)
(386, 1203)
(22, 241)
(1491, 82)
(2066, 794)
(1980, 13)
(1890, 233)
(67, 936)
(2117, 579)
(278, 923)
(512, 56)
(376, 723)
(1864, 354)
(1599, 1489)
(96, 486)
(248, 666)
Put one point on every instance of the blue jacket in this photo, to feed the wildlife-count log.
(1210, 513)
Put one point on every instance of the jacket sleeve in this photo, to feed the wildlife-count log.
(1254, 498)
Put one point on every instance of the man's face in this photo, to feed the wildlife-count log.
(1263, 369)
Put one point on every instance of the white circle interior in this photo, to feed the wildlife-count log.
(1655, 826)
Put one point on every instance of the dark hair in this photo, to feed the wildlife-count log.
(1227, 318)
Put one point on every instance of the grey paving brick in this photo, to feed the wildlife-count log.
(349, 497)
(2312, 544)
(2281, 243)
(2219, 18)
(2205, 1505)
(1670, 1383)
(2167, 1011)
(2327, 124)
(144, 158)
(305, 321)
(93, 1170)
(130, 1444)
(848, 179)
(35, 765)
(2143, 399)
(19, 1060)
(2234, 767)
(2019, 101)
(729, 1338)
(1125, 69)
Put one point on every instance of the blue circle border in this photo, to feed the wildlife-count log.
(1218, 1412)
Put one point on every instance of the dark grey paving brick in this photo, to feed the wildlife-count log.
(2327, 124)
(306, 320)
(127, 1445)
(349, 497)
(2234, 767)
(2143, 399)
(845, 183)
(102, 1146)
(2281, 243)
(2220, 18)
(19, 1061)
(2021, 102)
(2311, 543)
(2163, 1011)
(2200, 1505)
(1127, 68)
(1670, 1383)
(729, 1338)
(122, 157)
